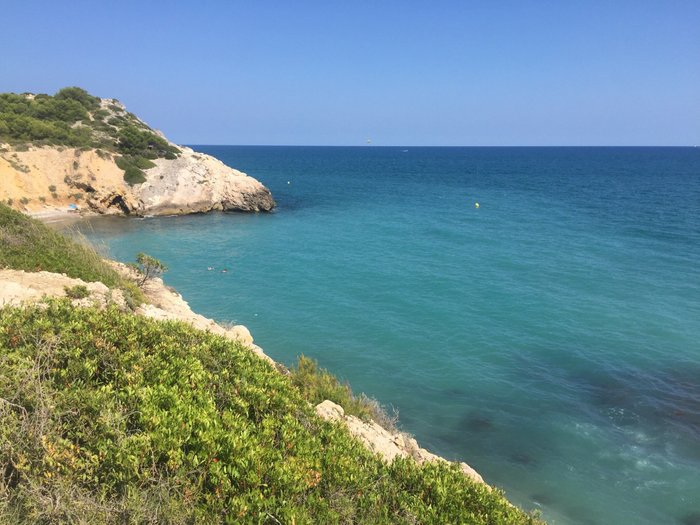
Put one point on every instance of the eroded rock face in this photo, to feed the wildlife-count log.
(196, 183)
(54, 178)
(388, 445)
(41, 180)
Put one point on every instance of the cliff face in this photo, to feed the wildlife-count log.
(49, 178)
(53, 178)
(195, 183)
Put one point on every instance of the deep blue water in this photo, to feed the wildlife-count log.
(550, 337)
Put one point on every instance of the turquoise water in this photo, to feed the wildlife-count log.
(550, 338)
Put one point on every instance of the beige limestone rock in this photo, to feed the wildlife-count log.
(195, 183)
(240, 333)
(167, 304)
(50, 177)
(45, 180)
(330, 411)
(388, 445)
(18, 287)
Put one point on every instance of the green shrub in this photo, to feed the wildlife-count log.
(142, 143)
(143, 163)
(79, 95)
(117, 121)
(115, 418)
(52, 188)
(79, 291)
(100, 114)
(133, 166)
(133, 175)
(24, 200)
(148, 267)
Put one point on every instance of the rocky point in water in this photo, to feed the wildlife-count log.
(99, 158)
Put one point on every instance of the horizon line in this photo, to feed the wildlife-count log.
(437, 146)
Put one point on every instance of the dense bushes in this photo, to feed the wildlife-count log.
(78, 95)
(138, 146)
(107, 417)
(73, 117)
(143, 143)
(45, 118)
(28, 129)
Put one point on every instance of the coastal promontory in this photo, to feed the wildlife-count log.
(76, 151)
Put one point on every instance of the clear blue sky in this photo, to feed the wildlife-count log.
(399, 72)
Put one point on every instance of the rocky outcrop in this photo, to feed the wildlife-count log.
(19, 287)
(388, 445)
(47, 179)
(196, 183)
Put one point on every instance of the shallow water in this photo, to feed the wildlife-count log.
(550, 337)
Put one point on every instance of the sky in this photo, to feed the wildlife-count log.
(332, 72)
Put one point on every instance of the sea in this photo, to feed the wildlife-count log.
(534, 312)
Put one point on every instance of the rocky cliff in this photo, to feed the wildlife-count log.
(127, 168)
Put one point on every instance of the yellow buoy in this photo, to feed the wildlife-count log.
(476, 204)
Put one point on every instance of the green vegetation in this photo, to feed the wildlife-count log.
(73, 117)
(45, 119)
(144, 143)
(78, 95)
(28, 244)
(133, 168)
(148, 267)
(79, 291)
(114, 418)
